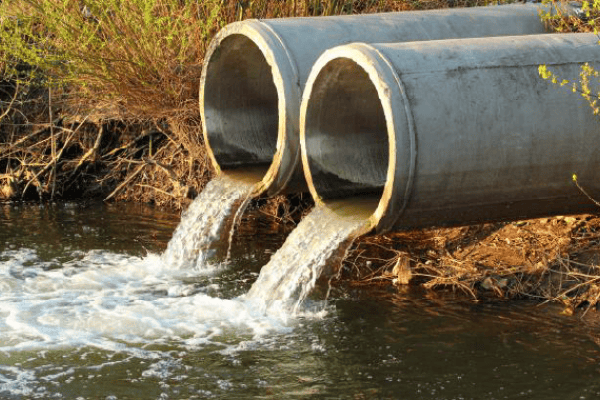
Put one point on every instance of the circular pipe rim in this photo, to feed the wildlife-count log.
(400, 129)
(285, 79)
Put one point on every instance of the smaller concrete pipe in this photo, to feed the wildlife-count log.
(255, 71)
(451, 132)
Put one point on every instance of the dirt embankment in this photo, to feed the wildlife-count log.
(51, 153)
(554, 259)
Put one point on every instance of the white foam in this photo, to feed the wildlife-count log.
(205, 222)
(103, 299)
(16, 381)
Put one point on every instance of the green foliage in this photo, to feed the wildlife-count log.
(141, 58)
(141, 54)
(561, 21)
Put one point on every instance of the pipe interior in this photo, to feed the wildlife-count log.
(241, 106)
(346, 136)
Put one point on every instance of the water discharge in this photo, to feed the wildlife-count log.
(99, 298)
(113, 301)
(205, 223)
(321, 238)
(108, 300)
(103, 302)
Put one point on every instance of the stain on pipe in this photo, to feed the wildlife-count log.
(451, 132)
(255, 71)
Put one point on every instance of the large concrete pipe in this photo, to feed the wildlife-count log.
(451, 132)
(255, 71)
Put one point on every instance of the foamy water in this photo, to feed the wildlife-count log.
(207, 222)
(108, 300)
(104, 311)
(321, 238)
(120, 309)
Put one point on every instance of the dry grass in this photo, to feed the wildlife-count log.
(548, 259)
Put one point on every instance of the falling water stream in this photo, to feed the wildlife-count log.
(92, 306)
(205, 222)
(321, 239)
(293, 270)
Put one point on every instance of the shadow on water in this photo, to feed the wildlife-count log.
(368, 343)
(55, 228)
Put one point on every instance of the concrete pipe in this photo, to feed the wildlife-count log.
(255, 71)
(451, 132)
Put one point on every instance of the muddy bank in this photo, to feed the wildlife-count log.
(546, 259)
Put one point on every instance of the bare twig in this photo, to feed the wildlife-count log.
(155, 188)
(49, 165)
(91, 152)
(125, 182)
(24, 139)
(12, 101)
(53, 145)
(596, 202)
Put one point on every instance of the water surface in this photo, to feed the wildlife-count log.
(89, 309)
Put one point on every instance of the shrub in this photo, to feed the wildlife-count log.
(138, 57)
(584, 21)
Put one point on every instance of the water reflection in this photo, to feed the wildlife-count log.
(53, 228)
(415, 347)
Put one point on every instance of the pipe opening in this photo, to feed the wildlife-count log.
(241, 113)
(346, 139)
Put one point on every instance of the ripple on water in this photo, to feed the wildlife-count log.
(111, 297)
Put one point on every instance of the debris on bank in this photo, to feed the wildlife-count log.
(547, 259)
(48, 155)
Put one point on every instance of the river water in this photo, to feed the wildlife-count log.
(90, 310)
